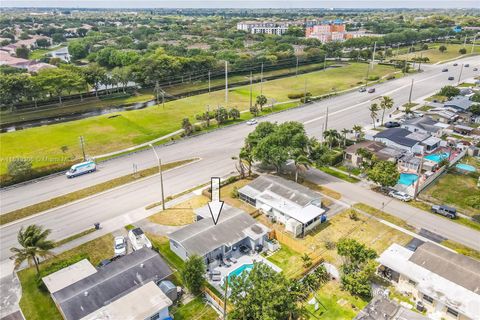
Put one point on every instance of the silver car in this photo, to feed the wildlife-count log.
(400, 195)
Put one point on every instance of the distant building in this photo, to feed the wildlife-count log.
(257, 27)
(329, 31)
(31, 66)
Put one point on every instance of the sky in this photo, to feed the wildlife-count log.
(242, 4)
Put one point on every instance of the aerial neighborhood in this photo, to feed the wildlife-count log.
(211, 161)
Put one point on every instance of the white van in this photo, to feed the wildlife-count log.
(81, 168)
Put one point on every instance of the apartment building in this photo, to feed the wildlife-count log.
(265, 27)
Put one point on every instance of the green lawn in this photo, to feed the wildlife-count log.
(436, 56)
(455, 189)
(36, 303)
(287, 259)
(340, 175)
(195, 309)
(106, 133)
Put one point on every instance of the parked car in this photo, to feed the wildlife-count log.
(119, 246)
(455, 64)
(362, 89)
(451, 78)
(392, 124)
(81, 168)
(466, 65)
(103, 263)
(446, 211)
(138, 239)
(371, 90)
(444, 70)
(475, 69)
(400, 195)
(251, 122)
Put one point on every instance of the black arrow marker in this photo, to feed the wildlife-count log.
(215, 205)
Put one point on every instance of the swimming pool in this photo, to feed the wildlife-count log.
(243, 268)
(465, 167)
(407, 178)
(437, 157)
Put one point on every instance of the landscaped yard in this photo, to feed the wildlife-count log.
(436, 56)
(180, 214)
(196, 309)
(106, 133)
(36, 303)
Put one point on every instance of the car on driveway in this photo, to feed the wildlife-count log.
(252, 122)
(392, 124)
(444, 70)
(451, 78)
(446, 211)
(138, 239)
(371, 90)
(362, 89)
(400, 195)
(119, 246)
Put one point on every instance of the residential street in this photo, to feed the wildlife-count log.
(216, 149)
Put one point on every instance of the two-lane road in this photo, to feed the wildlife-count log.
(215, 149)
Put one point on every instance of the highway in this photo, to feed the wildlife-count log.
(216, 150)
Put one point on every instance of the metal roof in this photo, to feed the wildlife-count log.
(204, 236)
(110, 283)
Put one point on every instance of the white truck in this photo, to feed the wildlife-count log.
(81, 168)
(138, 239)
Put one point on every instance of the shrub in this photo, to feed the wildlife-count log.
(373, 78)
(298, 95)
(234, 193)
(20, 168)
(330, 245)
(462, 51)
(353, 215)
(473, 201)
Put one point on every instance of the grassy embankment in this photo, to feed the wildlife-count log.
(59, 143)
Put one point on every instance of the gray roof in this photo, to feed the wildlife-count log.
(204, 236)
(381, 308)
(399, 136)
(459, 102)
(452, 266)
(110, 283)
(284, 188)
(425, 123)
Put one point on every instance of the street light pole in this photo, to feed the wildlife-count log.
(460, 75)
(410, 95)
(160, 172)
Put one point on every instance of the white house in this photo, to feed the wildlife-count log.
(295, 206)
(402, 138)
(446, 283)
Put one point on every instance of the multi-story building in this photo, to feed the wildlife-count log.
(446, 284)
(328, 31)
(277, 28)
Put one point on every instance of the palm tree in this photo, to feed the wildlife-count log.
(386, 104)
(331, 136)
(358, 130)
(301, 163)
(34, 244)
(345, 131)
(373, 112)
(408, 109)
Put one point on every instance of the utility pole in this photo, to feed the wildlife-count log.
(261, 80)
(326, 121)
(209, 82)
(366, 79)
(296, 68)
(82, 145)
(226, 84)
(305, 91)
(460, 75)
(473, 43)
(465, 42)
(373, 54)
(161, 175)
(420, 61)
(250, 89)
(420, 168)
(410, 95)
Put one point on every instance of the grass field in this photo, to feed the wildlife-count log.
(106, 133)
(36, 303)
(436, 56)
(180, 214)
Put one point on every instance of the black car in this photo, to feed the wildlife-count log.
(445, 70)
(455, 64)
(466, 65)
(392, 124)
(475, 69)
(451, 78)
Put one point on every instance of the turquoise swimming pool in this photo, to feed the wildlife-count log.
(243, 268)
(437, 157)
(407, 178)
(465, 167)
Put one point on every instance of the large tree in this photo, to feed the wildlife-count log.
(262, 294)
(94, 75)
(34, 245)
(449, 91)
(385, 173)
(193, 274)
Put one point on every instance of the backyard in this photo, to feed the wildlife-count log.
(58, 143)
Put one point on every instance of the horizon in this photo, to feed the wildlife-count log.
(249, 4)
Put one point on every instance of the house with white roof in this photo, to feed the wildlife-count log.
(284, 201)
(446, 283)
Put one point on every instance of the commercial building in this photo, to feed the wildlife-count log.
(328, 31)
(445, 283)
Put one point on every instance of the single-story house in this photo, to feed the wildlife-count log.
(234, 229)
(68, 275)
(91, 295)
(459, 103)
(378, 149)
(61, 53)
(461, 129)
(381, 308)
(409, 162)
(423, 125)
(293, 205)
(443, 115)
(446, 283)
(146, 302)
(402, 138)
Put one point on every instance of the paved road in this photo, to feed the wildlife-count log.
(215, 149)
